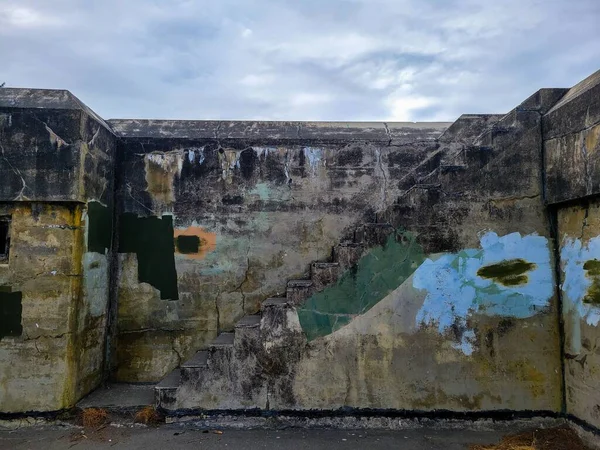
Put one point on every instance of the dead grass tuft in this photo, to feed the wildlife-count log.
(148, 416)
(94, 417)
(558, 438)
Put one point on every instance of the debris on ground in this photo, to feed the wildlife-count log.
(558, 438)
(93, 417)
(148, 415)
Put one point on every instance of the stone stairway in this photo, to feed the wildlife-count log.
(256, 335)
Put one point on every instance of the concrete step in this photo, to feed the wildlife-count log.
(247, 332)
(191, 369)
(373, 234)
(323, 274)
(200, 359)
(172, 380)
(347, 254)
(248, 321)
(119, 396)
(165, 392)
(222, 340)
(299, 290)
(275, 302)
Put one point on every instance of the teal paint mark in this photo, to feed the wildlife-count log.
(377, 274)
(188, 244)
(151, 238)
(11, 311)
(99, 227)
(509, 276)
(262, 190)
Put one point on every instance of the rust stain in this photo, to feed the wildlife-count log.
(592, 138)
(208, 241)
(161, 169)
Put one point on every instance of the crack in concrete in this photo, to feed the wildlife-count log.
(385, 180)
(179, 357)
(388, 132)
(584, 221)
(93, 140)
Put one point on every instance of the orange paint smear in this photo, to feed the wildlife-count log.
(208, 241)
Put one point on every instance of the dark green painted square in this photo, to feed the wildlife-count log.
(10, 314)
(188, 244)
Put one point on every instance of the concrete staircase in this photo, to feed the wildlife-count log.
(253, 345)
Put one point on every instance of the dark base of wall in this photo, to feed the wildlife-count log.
(441, 414)
(298, 417)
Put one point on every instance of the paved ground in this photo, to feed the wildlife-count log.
(187, 437)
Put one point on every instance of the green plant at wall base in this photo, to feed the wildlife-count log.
(378, 273)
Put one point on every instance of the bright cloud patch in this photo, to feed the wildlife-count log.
(509, 276)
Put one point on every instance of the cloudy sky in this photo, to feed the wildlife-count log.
(391, 60)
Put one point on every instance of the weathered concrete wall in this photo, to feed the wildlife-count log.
(250, 206)
(57, 170)
(579, 231)
(572, 140)
(572, 133)
(452, 305)
(457, 310)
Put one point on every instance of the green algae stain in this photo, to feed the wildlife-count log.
(592, 296)
(377, 274)
(511, 272)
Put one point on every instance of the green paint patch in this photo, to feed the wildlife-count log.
(592, 295)
(188, 244)
(10, 312)
(151, 239)
(377, 274)
(99, 227)
(511, 272)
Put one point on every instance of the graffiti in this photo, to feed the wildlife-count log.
(581, 284)
(494, 280)
(194, 242)
(377, 274)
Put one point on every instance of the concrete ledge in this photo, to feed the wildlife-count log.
(280, 131)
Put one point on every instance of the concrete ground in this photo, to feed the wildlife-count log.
(171, 437)
(189, 436)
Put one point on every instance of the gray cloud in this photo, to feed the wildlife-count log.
(300, 60)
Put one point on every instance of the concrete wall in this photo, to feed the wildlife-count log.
(56, 168)
(456, 309)
(572, 146)
(261, 200)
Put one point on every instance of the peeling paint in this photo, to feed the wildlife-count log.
(580, 287)
(314, 156)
